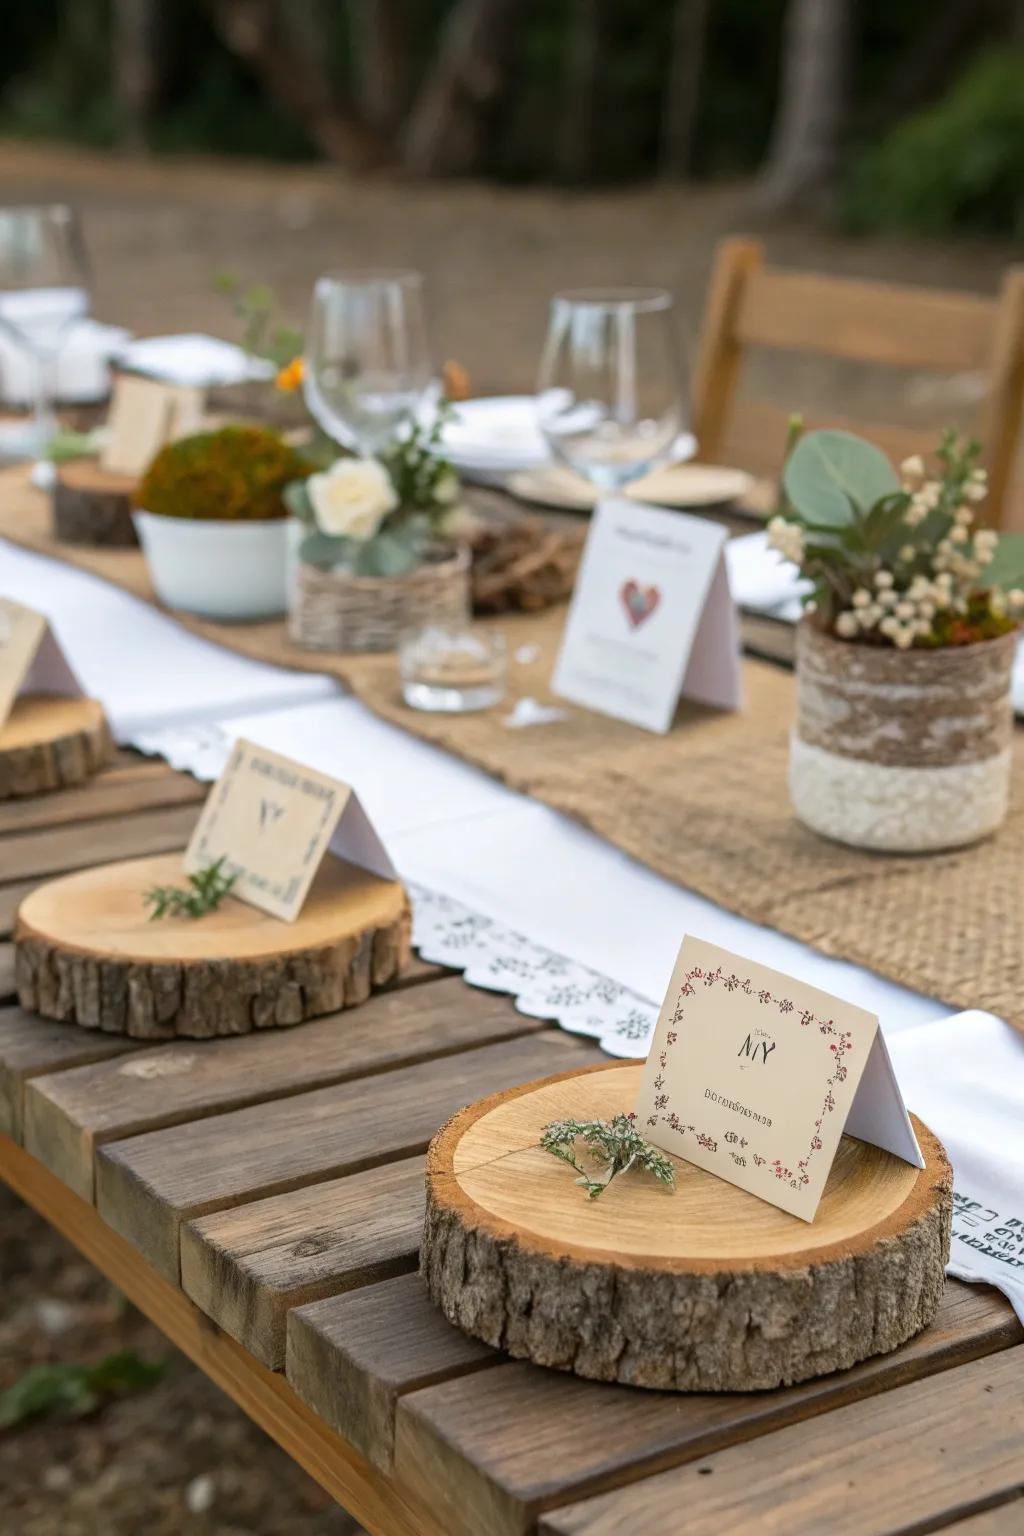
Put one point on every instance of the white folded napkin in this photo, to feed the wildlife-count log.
(761, 580)
(498, 434)
(193, 360)
(82, 368)
(964, 1076)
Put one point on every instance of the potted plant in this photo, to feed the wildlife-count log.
(905, 652)
(373, 547)
(213, 522)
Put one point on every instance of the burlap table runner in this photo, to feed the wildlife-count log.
(706, 805)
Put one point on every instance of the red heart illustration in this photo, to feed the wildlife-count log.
(639, 602)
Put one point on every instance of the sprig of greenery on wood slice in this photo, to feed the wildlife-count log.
(896, 558)
(206, 889)
(616, 1143)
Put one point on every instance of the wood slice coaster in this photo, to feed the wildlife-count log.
(88, 953)
(707, 1289)
(93, 505)
(50, 742)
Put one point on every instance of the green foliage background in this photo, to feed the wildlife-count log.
(954, 160)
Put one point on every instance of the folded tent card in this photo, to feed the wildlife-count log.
(31, 658)
(272, 821)
(651, 617)
(755, 1076)
(144, 416)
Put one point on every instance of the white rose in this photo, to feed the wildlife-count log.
(352, 498)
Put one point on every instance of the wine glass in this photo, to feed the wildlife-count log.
(610, 394)
(367, 362)
(43, 292)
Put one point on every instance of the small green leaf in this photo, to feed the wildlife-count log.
(1007, 566)
(827, 471)
(385, 555)
(324, 550)
(296, 498)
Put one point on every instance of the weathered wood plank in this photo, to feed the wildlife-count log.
(69, 1115)
(148, 1185)
(37, 855)
(264, 1395)
(6, 971)
(914, 1459)
(352, 1356)
(31, 1046)
(518, 1440)
(246, 1268)
(136, 786)
(1000, 1521)
(11, 897)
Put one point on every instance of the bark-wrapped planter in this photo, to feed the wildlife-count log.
(334, 610)
(901, 751)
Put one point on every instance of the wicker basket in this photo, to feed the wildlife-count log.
(336, 611)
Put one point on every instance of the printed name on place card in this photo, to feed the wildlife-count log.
(272, 820)
(754, 1076)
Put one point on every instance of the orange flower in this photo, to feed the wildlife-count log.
(290, 376)
(456, 380)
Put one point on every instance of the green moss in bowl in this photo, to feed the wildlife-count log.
(235, 474)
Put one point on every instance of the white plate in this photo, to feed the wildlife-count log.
(677, 485)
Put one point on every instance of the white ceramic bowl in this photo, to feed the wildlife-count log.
(217, 569)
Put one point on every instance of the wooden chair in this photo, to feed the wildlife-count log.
(750, 304)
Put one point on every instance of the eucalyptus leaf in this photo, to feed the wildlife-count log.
(830, 474)
(296, 498)
(386, 555)
(1006, 569)
(323, 550)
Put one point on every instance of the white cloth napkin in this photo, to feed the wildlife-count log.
(82, 368)
(196, 360)
(761, 580)
(964, 1076)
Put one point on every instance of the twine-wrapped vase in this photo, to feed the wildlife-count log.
(901, 751)
(337, 611)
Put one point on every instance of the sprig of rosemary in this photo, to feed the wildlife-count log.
(616, 1142)
(204, 893)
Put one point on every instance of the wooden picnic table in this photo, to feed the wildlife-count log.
(260, 1199)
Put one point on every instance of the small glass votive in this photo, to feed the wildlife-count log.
(452, 671)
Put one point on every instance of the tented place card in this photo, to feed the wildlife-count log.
(144, 416)
(272, 820)
(754, 1076)
(31, 660)
(651, 617)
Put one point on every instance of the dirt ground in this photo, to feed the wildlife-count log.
(180, 1460)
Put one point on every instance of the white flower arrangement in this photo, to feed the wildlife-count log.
(379, 516)
(896, 559)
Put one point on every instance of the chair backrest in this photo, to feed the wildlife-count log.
(925, 329)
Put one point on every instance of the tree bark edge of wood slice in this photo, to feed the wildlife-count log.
(50, 742)
(734, 1296)
(163, 980)
(93, 505)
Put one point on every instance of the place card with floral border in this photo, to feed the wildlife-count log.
(272, 820)
(754, 1076)
(31, 658)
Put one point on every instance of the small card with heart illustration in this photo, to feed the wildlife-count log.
(272, 820)
(755, 1076)
(31, 659)
(651, 617)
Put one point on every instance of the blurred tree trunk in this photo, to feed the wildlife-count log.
(811, 114)
(283, 44)
(136, 34)
(575, 146)
(682, 93)
(447, 127)
(380, 63)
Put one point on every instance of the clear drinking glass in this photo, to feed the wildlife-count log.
(611, 400)
(44, 290)
(367, 361)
